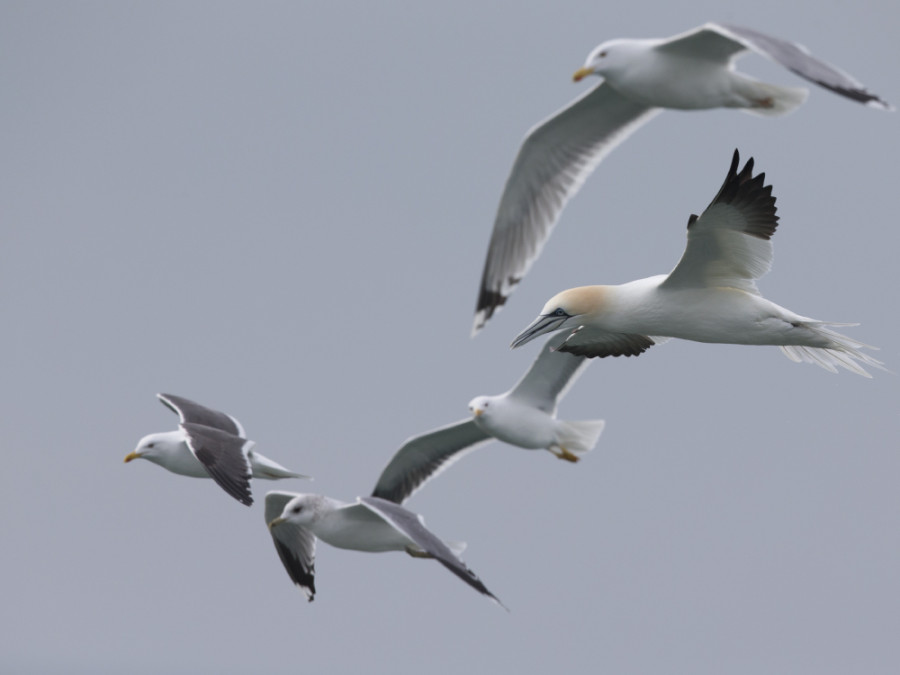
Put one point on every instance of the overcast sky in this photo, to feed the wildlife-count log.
(281, 210)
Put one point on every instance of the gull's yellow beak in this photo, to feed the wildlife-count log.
(276, 521)
(477, 412)
(582, 73)
(131, 455)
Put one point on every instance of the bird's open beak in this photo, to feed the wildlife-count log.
(582, 73)
(132, 455)
(543, 324)
(276, 522)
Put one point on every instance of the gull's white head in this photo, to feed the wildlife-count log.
(564, 310)
(610, 58)
(480, 405)
(157, 448)
(301, 510)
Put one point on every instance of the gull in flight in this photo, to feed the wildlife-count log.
(524, 416)
(690, 71)
(710, 296)
(370, 524)
(208, 444)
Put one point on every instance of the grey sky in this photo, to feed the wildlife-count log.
(281, 210)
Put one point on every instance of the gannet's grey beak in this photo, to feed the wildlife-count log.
(545, 323)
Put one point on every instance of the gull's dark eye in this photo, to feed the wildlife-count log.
(486, 404)
(297, 509)
(601, 54)
(150, 445)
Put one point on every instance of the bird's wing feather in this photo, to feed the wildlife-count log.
(550, 376)
(225, 457)
(729, 244)
(189, 411)
(413, 526)
(556, 157)
(704, 42)
(592, 342)
(798, 60)
(275, 502)
(722, 42)
(295, 544)
(421, 458)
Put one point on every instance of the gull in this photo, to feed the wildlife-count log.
(524, 416)
(710, 296)
(690, 71)
(209, 444)
(371, 524)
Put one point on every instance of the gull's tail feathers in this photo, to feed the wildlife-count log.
(772, 99)
(842, 351)
(580, 436)
(457, 547)
(263, 467)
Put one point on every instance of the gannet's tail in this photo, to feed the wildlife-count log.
(841, 350)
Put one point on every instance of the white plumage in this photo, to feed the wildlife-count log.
(690, 71)
(209, 444)
(710, 296)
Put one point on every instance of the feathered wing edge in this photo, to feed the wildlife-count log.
(556, 157)
(423, 457)
(800, 61)
(225, 457)
(191, 411)
(413, 526)
(296, 546)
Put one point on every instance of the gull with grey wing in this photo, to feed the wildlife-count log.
(690, 71)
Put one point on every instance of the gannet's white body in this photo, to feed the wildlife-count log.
(710, 296)
(690, 71)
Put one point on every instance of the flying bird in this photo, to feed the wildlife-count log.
(524, 416)
(370, 524)
(710, 296)
(690, 71)
(209, 444)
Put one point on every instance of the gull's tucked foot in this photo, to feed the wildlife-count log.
(418, 553)
(564, 454)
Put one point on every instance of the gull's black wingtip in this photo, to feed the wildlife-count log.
(489, 301)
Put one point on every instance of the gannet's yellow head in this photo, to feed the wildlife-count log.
(563, 310)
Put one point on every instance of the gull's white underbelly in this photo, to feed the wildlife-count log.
(523, 426)
(360, 530)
